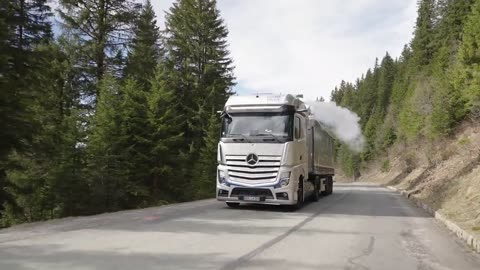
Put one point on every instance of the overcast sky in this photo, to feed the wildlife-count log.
(309, 46)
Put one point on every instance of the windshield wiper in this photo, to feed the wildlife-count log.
(269, 134)
(241, 135)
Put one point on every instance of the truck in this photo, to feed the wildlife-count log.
(272, 151)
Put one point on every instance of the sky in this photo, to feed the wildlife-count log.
(308, 46)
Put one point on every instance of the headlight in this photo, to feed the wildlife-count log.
(284, 180)
(222, 177)
(285, 175)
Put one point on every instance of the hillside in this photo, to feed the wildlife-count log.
(420, 113)
(445, 176)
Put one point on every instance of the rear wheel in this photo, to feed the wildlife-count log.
(329, 186)
(316, 190)
(325, 192)
(233, 204)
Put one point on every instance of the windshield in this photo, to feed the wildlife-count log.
(275, 125)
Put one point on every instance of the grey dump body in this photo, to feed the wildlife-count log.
(321, 150)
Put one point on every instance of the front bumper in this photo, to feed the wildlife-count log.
(268, 195)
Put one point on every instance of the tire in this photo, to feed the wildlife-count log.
(325, 192)
(300, 197)
(329, 187)
(316, 191)
(233, 204)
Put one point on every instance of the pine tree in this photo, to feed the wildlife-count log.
(422, 43)
(467, 72)
(24, 24)
(385, 84)
(206, 171)
(199, 62)
(106, 154)
(145, 51)
(102, 31)
(134, 139)
(42, 180)
(199, 68)
(166, 137)
(453, 14)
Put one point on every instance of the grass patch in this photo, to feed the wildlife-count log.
(464, 141)
(476, 229)
(385, 166)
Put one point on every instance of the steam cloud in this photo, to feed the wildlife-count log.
(342, 122)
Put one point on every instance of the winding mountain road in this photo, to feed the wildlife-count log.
(360, 227)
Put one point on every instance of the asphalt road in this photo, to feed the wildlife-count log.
(358, 227)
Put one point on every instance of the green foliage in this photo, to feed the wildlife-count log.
(101, 31)
(44, 177)
(199, 71)
(207, 74)
(105, 151)
(385, 166)
(467, 79)
(349, 161)
(83, 133)
(464, 141)
(448, 110)
(423, 42)
(145, 51)
(166, 138)
(429, 90)
(206, 173)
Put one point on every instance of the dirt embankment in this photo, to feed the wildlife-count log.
(445, 175)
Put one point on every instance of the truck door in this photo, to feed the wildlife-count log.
(301, 150)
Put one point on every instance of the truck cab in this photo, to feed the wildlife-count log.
(263, 154)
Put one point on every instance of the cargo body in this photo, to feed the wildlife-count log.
(272, 151)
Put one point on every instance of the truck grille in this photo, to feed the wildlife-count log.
(266, 169)
(257, 192)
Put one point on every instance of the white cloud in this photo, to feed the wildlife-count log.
(309, 46)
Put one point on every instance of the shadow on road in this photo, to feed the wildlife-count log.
(348, 202)
(58, 257)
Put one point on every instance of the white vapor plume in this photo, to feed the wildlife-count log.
(343, 123)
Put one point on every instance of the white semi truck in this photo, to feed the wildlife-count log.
(272, 151)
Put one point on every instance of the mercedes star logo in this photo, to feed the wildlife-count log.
(252, 159)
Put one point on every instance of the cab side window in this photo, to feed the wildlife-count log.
(298, 128)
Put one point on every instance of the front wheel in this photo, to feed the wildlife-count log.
(300, 197)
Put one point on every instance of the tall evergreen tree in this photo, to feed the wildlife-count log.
(102, 30)
(467, 78)
(207, 173)
(199, 62)
(199, 68)
(105, 150)
(452, 14)
(24, 24)
(422, 43)
(145, 50)
(385, 84)
(134, 137)
(166, 137)
(43, 178)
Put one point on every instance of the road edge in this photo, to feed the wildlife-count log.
(469, 239)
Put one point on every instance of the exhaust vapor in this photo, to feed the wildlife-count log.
(343, 123)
